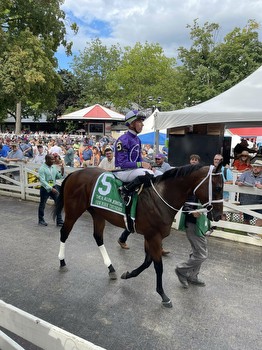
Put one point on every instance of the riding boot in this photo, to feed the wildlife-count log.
(127, 191)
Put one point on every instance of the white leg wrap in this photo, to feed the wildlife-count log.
(61, 254)
(105, 256)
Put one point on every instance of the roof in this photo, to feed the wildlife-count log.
(96, 112)
(237, 106)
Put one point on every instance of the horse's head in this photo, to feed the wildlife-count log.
(210, 192)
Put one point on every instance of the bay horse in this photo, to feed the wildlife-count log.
(156, 208)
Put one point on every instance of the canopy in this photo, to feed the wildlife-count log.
(96, 112)
(148, 135)
(149, 138)
(246, 132)
(238, 106)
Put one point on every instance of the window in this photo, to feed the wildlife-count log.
(96, 128)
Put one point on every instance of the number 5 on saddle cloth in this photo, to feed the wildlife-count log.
(112, 194)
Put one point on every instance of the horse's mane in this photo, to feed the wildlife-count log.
(178, 172)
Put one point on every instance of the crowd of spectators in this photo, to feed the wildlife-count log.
(73, 151)
(78, 151)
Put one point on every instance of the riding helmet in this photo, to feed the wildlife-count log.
(134, 115)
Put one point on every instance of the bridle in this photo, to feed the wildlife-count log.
(206, 207)
(209, 176)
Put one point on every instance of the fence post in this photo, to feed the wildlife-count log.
(22, 180)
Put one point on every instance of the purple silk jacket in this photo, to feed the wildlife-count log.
(128, 151)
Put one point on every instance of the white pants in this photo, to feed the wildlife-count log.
(130, 175)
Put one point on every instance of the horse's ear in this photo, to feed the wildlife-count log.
(218, 168)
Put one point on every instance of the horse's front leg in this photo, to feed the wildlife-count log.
(158, 265)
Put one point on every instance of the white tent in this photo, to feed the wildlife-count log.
(239, 105)
(149, 124)
(149, 135)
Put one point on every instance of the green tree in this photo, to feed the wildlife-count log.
(210, 67)
(196, 74)
(92, 68)
(68, 96)
(143, 71)
(30, 33)
(238, 56)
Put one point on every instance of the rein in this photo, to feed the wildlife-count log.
(204, 206)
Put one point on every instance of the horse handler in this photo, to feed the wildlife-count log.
(196, 227)
(48, 174)
(128, 157)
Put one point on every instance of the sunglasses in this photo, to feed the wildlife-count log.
(157, 158)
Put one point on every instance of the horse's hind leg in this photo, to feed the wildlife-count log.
(64, 233)
(99, 225)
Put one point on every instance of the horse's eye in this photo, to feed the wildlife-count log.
(218, 189)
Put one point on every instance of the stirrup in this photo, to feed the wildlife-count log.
(125, 196)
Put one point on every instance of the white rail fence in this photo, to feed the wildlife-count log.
(37, 332)
(21, 180)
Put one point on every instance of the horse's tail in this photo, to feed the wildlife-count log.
(59, 203)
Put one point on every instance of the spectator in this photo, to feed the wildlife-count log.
(39, 157)
(251, 178)
(27, 149)
(77, 159)
(165, 150)
(48, 174)
(226, 173)
(15, 154)
(4, 150)
(108, 163)
(150, 151)
(55, 148)
(242, 163)
(69, 155)
(242, 146)
(96, 156)
(87, 155)
(161, 165)
(194, 159)
(3, 154)
(145, 156)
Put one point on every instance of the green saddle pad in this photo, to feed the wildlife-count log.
(106, 195)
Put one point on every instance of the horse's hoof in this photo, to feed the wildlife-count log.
(168, 304)
(125, 275)
(112, 275)
(63, 269)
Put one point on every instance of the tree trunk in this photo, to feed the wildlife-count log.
(18, 119)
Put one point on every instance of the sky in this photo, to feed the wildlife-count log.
(127, 22)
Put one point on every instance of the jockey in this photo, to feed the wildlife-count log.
(128, 157)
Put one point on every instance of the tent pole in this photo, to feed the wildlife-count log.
(157, 141)
(156, 133)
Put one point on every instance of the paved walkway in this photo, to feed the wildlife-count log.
(127, 314)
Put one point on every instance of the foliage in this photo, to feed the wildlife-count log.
(144, 71)
(92, 68)
(68, 96)
(30, 33)
(210, 67)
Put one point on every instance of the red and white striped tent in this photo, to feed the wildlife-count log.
(95, 113)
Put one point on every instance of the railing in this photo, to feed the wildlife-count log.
(37, 331)
(21, 180)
